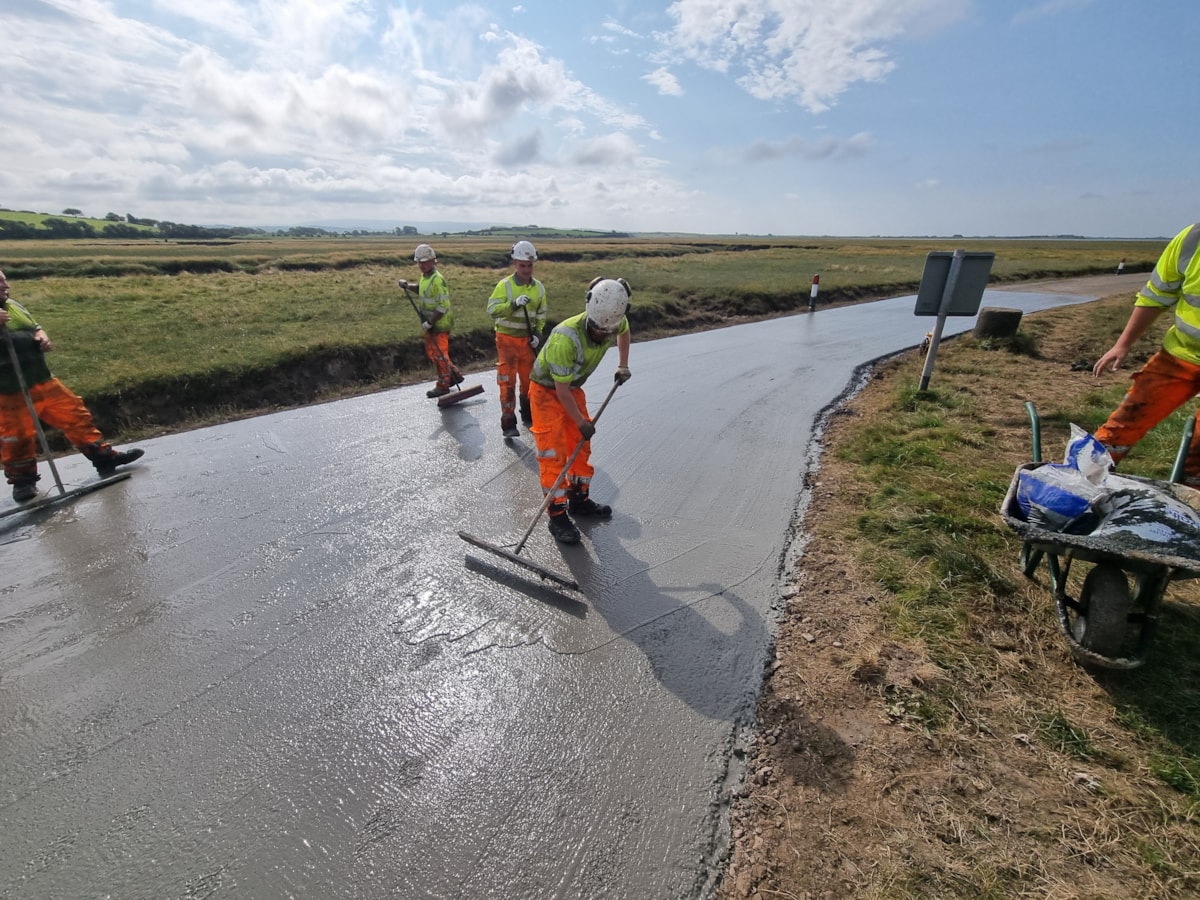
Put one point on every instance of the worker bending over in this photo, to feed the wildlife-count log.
(560, 416)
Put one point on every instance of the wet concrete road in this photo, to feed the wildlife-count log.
(266, 666)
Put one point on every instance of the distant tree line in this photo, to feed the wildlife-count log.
(130, 226)
(53, 228)
(126, 227)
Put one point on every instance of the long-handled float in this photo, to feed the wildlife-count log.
(514, 555)
(458, 394)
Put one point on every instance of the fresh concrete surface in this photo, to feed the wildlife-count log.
(266, 666)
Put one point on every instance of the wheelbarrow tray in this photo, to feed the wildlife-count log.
(1133, 553)
(1152, 564)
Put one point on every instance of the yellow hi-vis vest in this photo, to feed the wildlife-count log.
(511, 320)
(434, 296)
(570, 355)
(1175, 285)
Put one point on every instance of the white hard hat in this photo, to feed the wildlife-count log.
(607, 303)
(423, 253)
(524, 250)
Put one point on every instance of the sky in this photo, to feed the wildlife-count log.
(783, 117)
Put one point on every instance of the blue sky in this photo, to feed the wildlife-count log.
(788, 117)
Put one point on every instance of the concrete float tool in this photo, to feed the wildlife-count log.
(63, 493)
(514, 556)
(459, 394)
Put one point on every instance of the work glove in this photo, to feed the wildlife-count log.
(519, 301)
(403, 282)
(426, 325)
(535, 341)
(622, 374)
(586, 430)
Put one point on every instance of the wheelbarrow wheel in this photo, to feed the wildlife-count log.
(1102, 619)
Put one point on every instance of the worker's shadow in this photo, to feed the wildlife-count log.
(703, 642)
(1166, 691)
(460, 423)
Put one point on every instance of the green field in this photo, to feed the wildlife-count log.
(38, 220)
(156, 334)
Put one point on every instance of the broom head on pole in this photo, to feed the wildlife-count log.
(459, 396)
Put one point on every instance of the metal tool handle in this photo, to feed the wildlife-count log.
(528, 324)
(563, 474)
(408, 294)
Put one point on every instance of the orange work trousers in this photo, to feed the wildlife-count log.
(557, 436)
(58, 407)
(514, 361)
(437, 348)
(1163, 385)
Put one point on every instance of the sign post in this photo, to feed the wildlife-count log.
(951, 285)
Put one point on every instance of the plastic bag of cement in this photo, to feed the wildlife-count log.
(1133, 510)
(1062, 497)
(1057, 497)
(1088, 455)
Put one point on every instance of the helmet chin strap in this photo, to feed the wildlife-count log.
(592, 326)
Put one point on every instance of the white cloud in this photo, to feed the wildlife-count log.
(277, 111)
(617, 28)
(522, 151)
(609, 150)
(520, 78)
(666, 83)
(809, 51)
(523, 81)
(825, 148)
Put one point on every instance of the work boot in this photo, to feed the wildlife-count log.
(437, 391)
(25, 488)
(106, 459)
(563, 529)
(508, 425)
(457, 377)
(526, 412)
(580, 504)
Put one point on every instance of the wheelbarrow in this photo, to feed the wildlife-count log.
(1111, 624)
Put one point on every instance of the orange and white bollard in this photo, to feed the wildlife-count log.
(1121, 266)
(812, 297)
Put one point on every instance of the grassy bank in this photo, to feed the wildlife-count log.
(158, 334)
(926, 733)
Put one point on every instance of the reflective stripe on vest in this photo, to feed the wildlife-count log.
(517, 326)
(586, 356)
(1176, 277)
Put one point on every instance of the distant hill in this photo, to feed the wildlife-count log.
(18, 220)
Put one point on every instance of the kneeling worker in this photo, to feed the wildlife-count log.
(560, 417)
